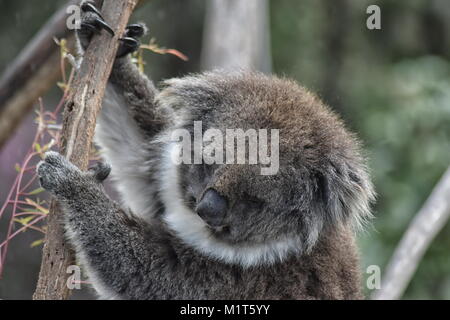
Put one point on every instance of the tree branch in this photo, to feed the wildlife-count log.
(81, 109)
(32, 73)
(422, 230)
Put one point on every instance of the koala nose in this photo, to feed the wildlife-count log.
(212, 208)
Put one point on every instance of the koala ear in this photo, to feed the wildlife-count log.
(346, 194)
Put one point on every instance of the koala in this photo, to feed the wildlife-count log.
(218, 230)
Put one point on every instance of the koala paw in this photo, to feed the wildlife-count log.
(92, 22)
(56, 174)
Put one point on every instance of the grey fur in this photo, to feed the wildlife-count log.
(287, 236)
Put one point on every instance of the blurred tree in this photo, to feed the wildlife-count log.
(245, 44)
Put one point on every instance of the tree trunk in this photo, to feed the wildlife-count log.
(237, 35)
(81, 109)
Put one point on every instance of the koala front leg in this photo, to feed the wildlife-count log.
(129, 118)
(132, 90)
(137, 91)
(111, 245)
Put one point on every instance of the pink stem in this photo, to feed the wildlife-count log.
(11, 222)
(5, 243)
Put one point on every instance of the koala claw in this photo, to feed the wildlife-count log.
(96, 22)
(101, 24)
(91, 22)
(100, 171)
(130, 41)
(128, 45)
(136, 30)
(89, 6)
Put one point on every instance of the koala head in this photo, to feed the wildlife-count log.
(233, 212)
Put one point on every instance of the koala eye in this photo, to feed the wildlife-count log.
(201, 172)
(209, 169)
(252, 202)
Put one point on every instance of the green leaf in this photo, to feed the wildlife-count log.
(37, 205)
(24, 221)
(37, 243)
(61, 85)
(36, 191)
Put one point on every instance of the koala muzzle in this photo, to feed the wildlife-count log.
(212, 208)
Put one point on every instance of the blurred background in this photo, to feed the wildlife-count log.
(392, 87)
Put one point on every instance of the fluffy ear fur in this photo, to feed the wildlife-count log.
(355, 195)
(344, 196)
